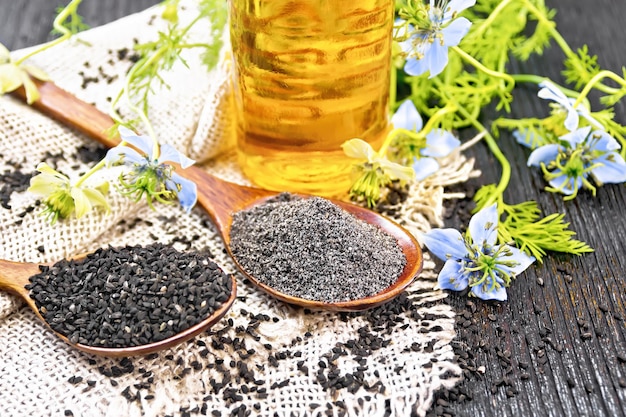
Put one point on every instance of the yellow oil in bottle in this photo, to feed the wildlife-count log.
(308, 75)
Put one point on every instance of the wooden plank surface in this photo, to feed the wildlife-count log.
(558, 346)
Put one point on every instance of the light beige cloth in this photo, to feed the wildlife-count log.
(38, 371)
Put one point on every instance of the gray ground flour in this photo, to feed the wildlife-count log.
(312, 249)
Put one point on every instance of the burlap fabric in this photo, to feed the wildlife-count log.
(264, 358)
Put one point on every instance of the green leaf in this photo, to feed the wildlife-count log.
(73, 23)
(580, 68)
(523, 225)
(217, 13)
(525, 46)
(159, 56)
(548, 234)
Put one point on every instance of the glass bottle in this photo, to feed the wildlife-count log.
(308, 75)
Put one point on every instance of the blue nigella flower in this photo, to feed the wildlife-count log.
(582, 153)
(150, 176)
(549, 91)
(439, 142)
(475, 259)
(438, 28)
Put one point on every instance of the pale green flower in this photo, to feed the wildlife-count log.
(359, 149)
(13, 75)
(374, 170)
(62, 199)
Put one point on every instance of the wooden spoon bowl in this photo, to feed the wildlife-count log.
(14, 276)
(221, 199)
(406, 242)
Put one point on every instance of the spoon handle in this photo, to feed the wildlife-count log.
(14, 276)
(71, 111)
(218, 197)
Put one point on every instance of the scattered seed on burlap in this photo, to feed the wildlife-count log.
(12, 181)
(129, 296)
(89, 152)
(312, 249)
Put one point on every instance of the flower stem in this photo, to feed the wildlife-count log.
(595, 80)
(393, 86)
(564, 47)
(92, 171)
(473, 61)
(57, 24)
(137, 68)
(486, 24)
(430, 124)
(537, 79)
(193, 45)
(493, 147)
(504, 163)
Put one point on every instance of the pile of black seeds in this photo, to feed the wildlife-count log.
(312, 249)
(129, 296)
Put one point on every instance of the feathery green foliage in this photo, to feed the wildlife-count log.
(522, 224)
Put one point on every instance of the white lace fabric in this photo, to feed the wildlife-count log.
(288, 351)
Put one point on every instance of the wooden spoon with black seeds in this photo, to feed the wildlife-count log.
(138, 334)
(221, 199)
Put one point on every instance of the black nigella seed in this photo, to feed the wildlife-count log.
(75, 380)
(113, 297)
(586, 336)
(312, 249)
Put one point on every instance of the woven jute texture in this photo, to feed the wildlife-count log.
(264, 357)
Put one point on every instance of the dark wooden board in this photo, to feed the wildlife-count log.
(556, 349)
